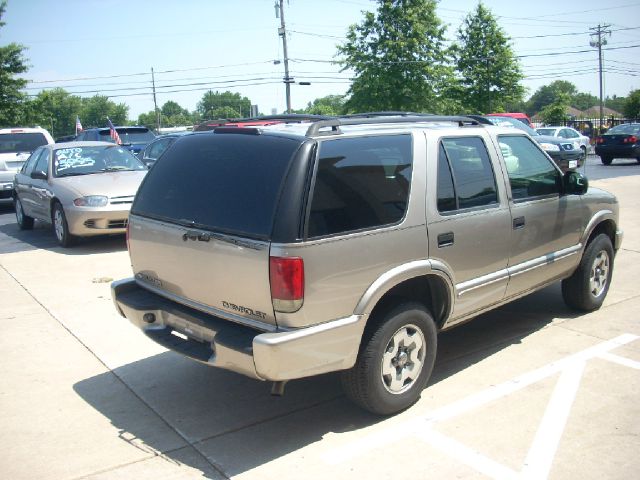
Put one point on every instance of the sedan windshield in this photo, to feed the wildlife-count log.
(625, 129)
(94, 159)
(546, 131)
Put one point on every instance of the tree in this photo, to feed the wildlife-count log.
(556, 112)
(57, 109)
(489, 70)
(584, 101)
(12, 63)
(329, 105)
(96, 109)
(223, 105)
(399, 59)
(548, 94)
(632, 106)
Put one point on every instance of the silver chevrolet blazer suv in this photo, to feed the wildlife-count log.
(348, 243)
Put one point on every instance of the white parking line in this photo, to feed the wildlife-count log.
(542, 452)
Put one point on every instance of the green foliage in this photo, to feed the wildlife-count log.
(632, 105)
(223, 105)
(329, 105)
(399, 59)
(12, 64)
(548, 94)
(584, 101)
(556, 112)
(55, 110)
(489, 71)
(95, 110)
(615, 103)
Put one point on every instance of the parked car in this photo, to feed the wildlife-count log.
(16, 144)
(566, 153)
(81, 188)
(621, 141)
(347, 244)
(523, 117)
(152, 152)
(569, 134)
(134, 139)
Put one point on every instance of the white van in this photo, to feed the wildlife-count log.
(16, 144)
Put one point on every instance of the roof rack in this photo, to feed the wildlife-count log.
(387, 113)
(336, 123)
(259, 121)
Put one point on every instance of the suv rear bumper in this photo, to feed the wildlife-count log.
(275, 356)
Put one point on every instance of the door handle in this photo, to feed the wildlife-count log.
(518, 223)
(445, 239)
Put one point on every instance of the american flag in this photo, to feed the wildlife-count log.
(113, 132)
(78, 125)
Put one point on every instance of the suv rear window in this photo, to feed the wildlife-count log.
(21, 142)
(220, 182)
(360, 183)
(128, 135)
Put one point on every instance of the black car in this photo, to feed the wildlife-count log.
(134, 139)
(156, 148)
(621, 141)
(567, 154)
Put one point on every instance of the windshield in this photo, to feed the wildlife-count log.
(21, 142)
(546, 131)
(625, 129)
(128, 135)
(96, 159)
(512, 122)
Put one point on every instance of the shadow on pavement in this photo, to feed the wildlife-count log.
(13, 240)
(621, 167)
(238, 426)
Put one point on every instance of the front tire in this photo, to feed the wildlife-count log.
(587, 288)
(25, 222)
(60, 226)
(395, 361)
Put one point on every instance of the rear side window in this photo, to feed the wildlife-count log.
(465, 175)
(220, 182)
(360, 183)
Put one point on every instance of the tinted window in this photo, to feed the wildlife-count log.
(531, 173)
(360, 183)
(21, 142)
(446, 192)
(127, 135)
(42, 165)
(625, 128)
(473, 178)
(222, 182)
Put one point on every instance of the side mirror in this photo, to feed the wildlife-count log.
(575, 183)
(39, 175)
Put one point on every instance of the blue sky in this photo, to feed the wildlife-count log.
(195, 45)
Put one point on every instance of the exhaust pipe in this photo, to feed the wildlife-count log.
(277, 388)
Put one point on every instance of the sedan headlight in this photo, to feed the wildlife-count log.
(91, 201)
(550, 147)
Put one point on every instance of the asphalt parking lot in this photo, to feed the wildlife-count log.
(530, 390)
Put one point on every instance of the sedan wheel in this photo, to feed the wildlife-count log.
(25, 222)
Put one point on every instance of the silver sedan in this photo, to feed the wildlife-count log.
(568, 133)
(81, 188)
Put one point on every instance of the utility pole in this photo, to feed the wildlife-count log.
(155, 103)
(283, 33)
(598, 42)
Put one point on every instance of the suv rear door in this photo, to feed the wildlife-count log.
(201, 225)
(469, 225)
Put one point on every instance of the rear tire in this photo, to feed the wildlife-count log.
(395, 361)
(606, 160)
(25, 222)
(587, 288)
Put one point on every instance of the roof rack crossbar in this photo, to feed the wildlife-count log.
(335, 123)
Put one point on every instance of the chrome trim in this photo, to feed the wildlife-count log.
(265, 327)
(485, 280)
(529, 265)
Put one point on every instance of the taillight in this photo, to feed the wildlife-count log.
(599, 140)
(630, 139)
(286, 275)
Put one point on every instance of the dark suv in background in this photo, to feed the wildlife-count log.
(134, 139)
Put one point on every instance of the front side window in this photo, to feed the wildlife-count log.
(42, 165)
(27, 168)
(465, 175)
(531, 173)
(360, 183)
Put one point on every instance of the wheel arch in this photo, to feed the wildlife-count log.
(604, 222)
(417, 281)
